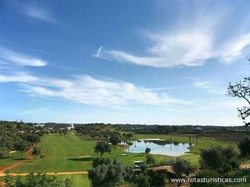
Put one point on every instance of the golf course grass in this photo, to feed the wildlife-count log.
(11, 159)
(66, 153)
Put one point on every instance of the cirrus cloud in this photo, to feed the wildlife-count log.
(88, 90)
(15, 58)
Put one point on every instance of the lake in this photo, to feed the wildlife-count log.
(159, 147)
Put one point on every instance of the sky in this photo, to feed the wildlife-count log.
(141, 62)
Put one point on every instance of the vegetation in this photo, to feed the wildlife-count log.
(150, 160)
(221, 160)
(108, 175)
(114, 139)
(69, 152)
(244, 147)
(102, 147)
(100, 161)
(147, 150)
(181, 167)
(36, 151)
(38, 180)
(18, 136)
(242, 91)
(207, 174)
(149, 178)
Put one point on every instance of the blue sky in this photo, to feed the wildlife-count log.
(142, 62)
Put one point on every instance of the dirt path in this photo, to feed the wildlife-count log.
(245, 166)
(49, 173)
(2, 183)
(27, 154)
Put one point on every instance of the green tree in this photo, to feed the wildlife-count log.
(32, 180)
(142, 180)
(109, 175)
(21, 145)
(68, 182)
(1, 155)
(102, 147)
(181, 167)
(36, 151)
(157, 179)
(114, 139)
(244, 147)
(147, 150)
(150, 160)
(100, 161)
(219, 159)
(206, 174)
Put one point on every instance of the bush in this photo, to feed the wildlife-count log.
(110, 174)
(150, 160)
(100, 161)
(244, 147)
(219, 159)
(181, 166)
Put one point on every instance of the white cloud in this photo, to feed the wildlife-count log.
(202, 84)
(189, 42)
(18, 77)
(211, 87)
(98, 53)
(38, 12)
(182, 49)
(35, 111)
(20, 59)
(87, 90)
(234, 48)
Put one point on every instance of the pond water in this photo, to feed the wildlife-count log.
(159, 147)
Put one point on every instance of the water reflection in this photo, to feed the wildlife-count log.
(159, 147)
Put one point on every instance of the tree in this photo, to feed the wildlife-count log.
(206, 174)
(100, 161)
(141, 180)
(108, 175)
(32, 180)
(67, 182)
(21, 145)
(102, 147)
(244, 147)
(157, 179)
(150, 159)
(36, 151)
(114, 139)
(1, 155)
(149, 178)
(181, 166)
(242, 90)
(147, 150)
(219, 159)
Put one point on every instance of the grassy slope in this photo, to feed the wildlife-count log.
(77, 180)
(11, 159)
(65, 153)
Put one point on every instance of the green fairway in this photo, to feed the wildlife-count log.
(71, 153)
(11, 159)
(62, 153)
(77, 180)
